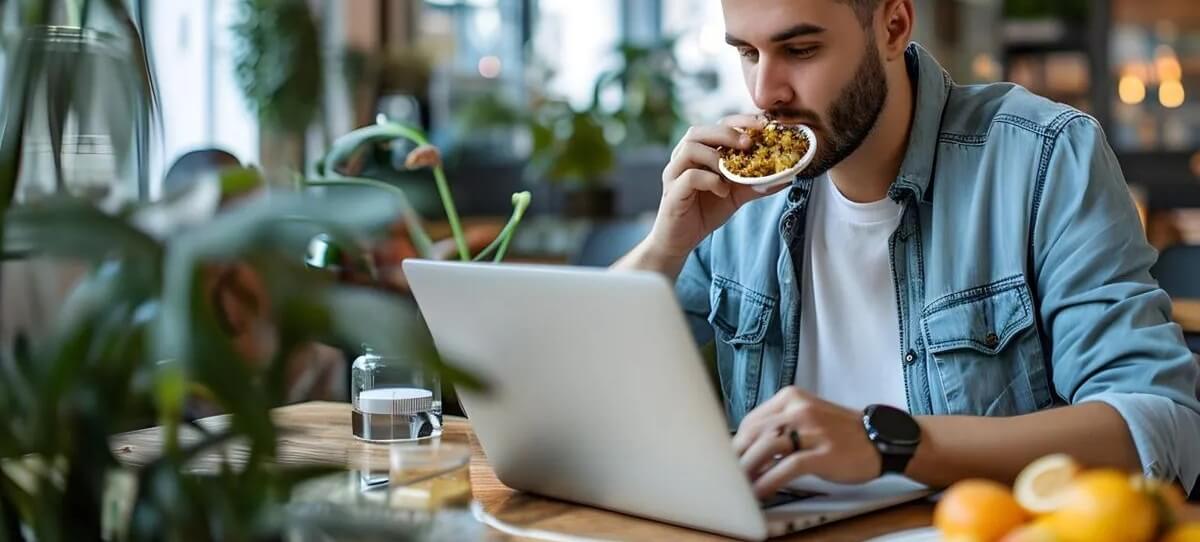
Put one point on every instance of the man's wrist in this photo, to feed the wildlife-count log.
(895, 434)
(648, 256)
(927, 465)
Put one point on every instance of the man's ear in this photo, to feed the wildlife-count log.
(896, 23)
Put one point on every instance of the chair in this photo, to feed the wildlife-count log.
(1178, 273)
(607, 242)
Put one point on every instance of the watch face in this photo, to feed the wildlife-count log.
(894, 425)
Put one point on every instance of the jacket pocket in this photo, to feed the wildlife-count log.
(986, 350)
(740, 318)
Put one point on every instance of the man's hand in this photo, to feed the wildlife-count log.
(833, 443)
(696, 199)
(835, 447)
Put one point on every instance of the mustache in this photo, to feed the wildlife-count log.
(793, 116)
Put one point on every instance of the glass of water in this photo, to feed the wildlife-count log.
(394, 399)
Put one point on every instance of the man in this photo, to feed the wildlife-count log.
(969, 255)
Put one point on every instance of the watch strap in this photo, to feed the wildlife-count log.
(893, 463)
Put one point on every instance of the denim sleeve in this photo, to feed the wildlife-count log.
(1110, 328)
(692, 288)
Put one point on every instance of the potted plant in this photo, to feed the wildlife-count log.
(570, 150)
(649, 111)
(424, 155)
(576, 147)
(277, 56)
(145, 335)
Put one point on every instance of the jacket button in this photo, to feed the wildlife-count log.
(991, 340)
(794, 195)
(910, 357)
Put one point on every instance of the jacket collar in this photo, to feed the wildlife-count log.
(932, 84)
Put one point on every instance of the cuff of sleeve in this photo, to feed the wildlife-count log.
(1166, 434)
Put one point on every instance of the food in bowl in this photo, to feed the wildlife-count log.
(773, 149)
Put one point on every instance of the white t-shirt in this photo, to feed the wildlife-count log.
(849, 329)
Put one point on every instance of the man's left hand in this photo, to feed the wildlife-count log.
(833, 443)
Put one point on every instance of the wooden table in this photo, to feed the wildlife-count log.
(319, 432)
(1187, 313)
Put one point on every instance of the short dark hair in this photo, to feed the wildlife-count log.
(864, 9)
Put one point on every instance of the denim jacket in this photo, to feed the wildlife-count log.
(1021, 273)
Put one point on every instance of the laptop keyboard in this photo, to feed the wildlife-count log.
(787, 496)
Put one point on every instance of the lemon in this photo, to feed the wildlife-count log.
(1041, 486)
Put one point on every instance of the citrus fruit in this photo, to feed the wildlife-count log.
(1103, 506)
(1041, 486)
(1037, 531)
(977, 511)
(1188, 532)
(1168, 499)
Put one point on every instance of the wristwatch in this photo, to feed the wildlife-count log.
(895, 434)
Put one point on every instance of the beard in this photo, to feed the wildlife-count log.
(851, 117)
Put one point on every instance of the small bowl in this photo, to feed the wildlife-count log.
(763, 185)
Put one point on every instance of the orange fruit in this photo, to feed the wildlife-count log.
(977, 511)
(1037, 531)
(1188, 532)
(1103, 506)
(1168, 499)
(1041, 486)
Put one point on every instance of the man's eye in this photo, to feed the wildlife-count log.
(802, 52)
(748, 53)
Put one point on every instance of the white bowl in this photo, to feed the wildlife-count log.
(763, 185)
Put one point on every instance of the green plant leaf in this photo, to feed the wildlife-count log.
(73, 228)
(17, 97)
(346, 146)
(586, 155)
(394, 327)
(278, 61)
(16, 503)
(412, 221)
(141, 86)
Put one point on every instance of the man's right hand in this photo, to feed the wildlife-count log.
(696, 199)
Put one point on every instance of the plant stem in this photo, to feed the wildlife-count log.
(416, 231)
(346, 145)
(520, 204)
(439, 176)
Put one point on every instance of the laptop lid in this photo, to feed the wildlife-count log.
(598, 394)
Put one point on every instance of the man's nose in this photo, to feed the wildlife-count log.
(771, 86)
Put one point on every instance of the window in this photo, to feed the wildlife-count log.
(584, 37)
(699, 29)
(201, 104)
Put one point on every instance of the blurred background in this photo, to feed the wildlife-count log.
(580, 102)
(164, 117)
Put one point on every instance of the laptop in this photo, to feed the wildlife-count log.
(598, 395)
